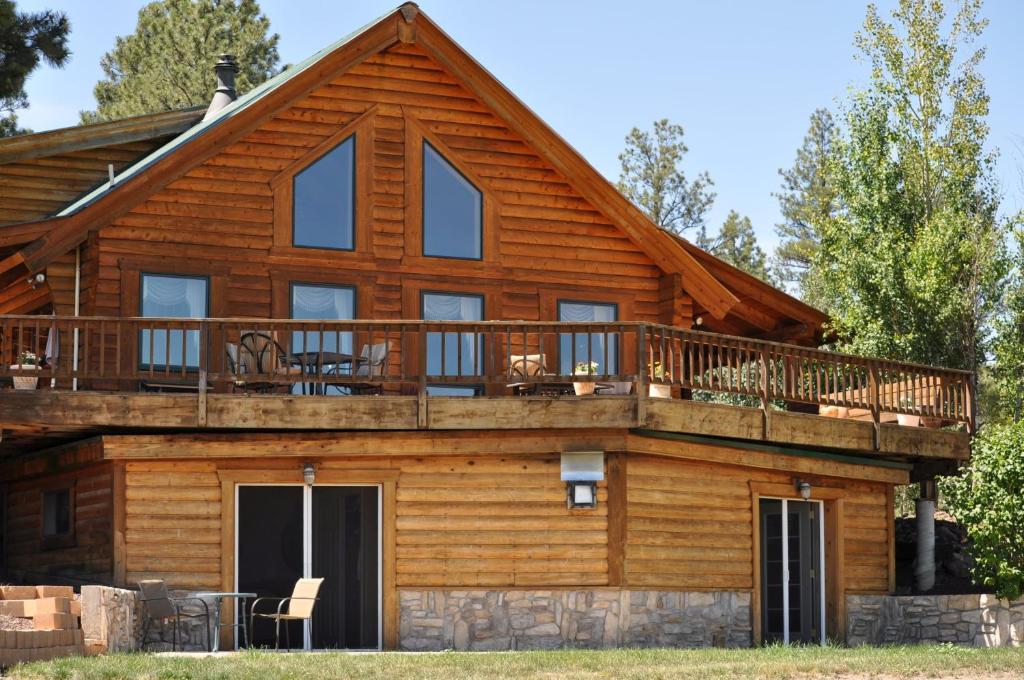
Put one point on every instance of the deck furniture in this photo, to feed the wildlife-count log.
(217, 625)
(527, 366)
(370, 364)
(159, 607)
(259, 355)
(319, 363)
(300, 608)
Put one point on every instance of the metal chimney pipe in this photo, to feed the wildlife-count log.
(225, 68)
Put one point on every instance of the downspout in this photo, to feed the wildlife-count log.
(78, 303)
(924, 569)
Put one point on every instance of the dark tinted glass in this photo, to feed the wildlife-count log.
(324, 200)
(57, 513)
(452, 212)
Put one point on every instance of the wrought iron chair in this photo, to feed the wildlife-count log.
(159, 607)
(300, 608)
(260, 356)
(371, 363)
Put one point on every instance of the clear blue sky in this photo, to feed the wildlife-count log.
(741, 77)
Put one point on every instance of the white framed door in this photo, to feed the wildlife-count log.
(331, 531)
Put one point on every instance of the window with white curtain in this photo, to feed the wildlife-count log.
(177, 297)
(323, 303)
(445, 360)
(585, 347)
(452, 210)
(323, 200)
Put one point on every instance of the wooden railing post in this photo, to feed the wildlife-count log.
(204, 366)
(421, 374)
(642, 376)
(875, 402)
(763, 386)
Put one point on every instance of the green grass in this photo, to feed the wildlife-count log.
(626, 664)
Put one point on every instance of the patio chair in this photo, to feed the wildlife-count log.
(159, 607)
(523, 367)
(370, 364)
(300, 608)
(259, 355)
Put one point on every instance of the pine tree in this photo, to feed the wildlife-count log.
(26, 41)
(736, 243)
(807, 201)
(653, 178)
(168, 62)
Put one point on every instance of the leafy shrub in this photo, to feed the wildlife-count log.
(988, 499)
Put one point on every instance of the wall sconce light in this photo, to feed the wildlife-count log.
(308, 473)
(699, 321)
(804, 488)
(36, 280)
(581, 471)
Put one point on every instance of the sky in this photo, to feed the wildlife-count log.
(742, 78)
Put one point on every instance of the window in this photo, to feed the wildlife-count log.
(452, 210)
(323, 212)
(444, 349)
(311, 301)
(57, 513)
(575, 348)
(172, 296)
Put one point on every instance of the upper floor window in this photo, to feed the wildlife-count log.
(453, 354)
(172, 296)
(327, 303)
(324, 200)
(596, 348)
(452, 210)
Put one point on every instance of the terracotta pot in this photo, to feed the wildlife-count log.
(584, 388)
(22, 382)
(659, 391)
(908, 420)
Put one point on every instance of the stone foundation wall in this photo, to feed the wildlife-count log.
(112, 621)
(547, 619)
(974, 620)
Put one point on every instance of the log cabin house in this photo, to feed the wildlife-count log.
(375, 321)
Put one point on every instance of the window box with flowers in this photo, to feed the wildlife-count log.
(27, 361)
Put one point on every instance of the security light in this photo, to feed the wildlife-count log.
(308, 473)
(582, 494)
(581, 471)
(804, 488)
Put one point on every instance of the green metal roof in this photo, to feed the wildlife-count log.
(224, 114)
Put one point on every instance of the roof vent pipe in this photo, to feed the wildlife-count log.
(226, 68)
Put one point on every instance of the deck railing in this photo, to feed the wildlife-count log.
(414, 357)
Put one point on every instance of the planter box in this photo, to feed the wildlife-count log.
(908, 420)
(584, 388)
(22, 382)
(659, 391)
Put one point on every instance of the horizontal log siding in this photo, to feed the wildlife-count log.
(689, 526)
(89, 556)
(223, 210)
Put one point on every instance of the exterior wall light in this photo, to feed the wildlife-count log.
(308, 473)
(804, 488)
(581, 471)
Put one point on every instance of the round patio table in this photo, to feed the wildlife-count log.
(217, 625)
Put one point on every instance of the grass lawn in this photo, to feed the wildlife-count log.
(885, 663)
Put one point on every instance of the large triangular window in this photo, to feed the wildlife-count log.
(324, 200)
(452, 210)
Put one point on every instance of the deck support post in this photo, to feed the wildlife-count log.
(924, 568)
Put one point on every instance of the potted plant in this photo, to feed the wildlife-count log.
(27, 361)
(658, 389)
(907, 419)
(585, 368)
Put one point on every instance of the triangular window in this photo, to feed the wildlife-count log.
(452, 210)
(324, 200)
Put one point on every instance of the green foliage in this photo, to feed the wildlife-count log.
(807, 202)
(911, 265)
(736, 243)
(9, 126)
(168, 62)
(26, 40)
(1007, 374)
(988, 499)
(653, 178)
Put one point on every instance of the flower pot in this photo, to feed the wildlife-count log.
(22, 382)
(584, 388)
(659, 391)
(931, 421)
(908, 420)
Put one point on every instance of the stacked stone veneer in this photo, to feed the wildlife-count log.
(112, 621)
(546, 619)
(976, 620)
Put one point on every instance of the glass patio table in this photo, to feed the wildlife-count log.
(220, 596)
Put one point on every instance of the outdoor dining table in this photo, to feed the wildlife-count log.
(312, 360)
(217, 625)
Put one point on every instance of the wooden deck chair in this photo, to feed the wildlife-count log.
(523, 367)
(158, 607)
(300, 608)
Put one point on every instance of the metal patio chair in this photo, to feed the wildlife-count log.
(370, 364)
(256, 360)
(159, 607)
(300, 608)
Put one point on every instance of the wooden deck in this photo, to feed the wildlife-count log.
(98, 379)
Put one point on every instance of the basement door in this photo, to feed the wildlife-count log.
(286, 532)
(792, 571)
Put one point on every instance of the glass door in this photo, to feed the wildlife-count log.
(792, 577)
